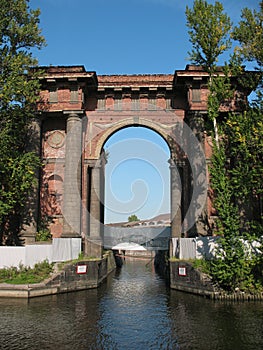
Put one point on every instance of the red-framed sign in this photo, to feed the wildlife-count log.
(81, 269)
(182, 271)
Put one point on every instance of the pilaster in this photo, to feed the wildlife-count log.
(176, 199)
(95, 201)
(72, 177)
(94, 241)
(32, 205)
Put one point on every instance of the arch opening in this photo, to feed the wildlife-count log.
(137, 176)
(137, 185)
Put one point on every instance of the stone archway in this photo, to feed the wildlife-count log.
(80, 110)
(183, 167)
(101, 108)
(95, 196)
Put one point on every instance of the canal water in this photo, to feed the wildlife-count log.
(134, 309)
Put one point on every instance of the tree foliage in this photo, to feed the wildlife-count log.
(236, 165)
(233, 267)
(249, 34)
(209, 30)
(19, 33)
(245, 131)
(132, 218)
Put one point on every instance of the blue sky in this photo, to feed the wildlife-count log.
(137, 175)
(120, 36)
(125, 37)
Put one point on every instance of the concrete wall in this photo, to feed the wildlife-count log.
(61, 249)
(95, 272)
(68, 279)
(185, 278)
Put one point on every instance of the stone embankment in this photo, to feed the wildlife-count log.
(186, 278)
(80, 275)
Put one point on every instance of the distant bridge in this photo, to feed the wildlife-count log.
(150, 238)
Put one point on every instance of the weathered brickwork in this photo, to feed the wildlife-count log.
(80, 110)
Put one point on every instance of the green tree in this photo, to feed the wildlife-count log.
(209, 31)
(235, 197)
(249, 34)
(237, 153)
(19, 85)
(246, 131)
(133, 217)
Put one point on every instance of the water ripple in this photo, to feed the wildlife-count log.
(133, 310)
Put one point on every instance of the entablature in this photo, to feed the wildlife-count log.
(72, 87)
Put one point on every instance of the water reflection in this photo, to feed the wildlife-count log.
(132, 310)
(203, 324)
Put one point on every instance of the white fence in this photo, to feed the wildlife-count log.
(194, 248)
(205, 247)
(61, 249)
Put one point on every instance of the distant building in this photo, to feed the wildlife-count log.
(161, 220)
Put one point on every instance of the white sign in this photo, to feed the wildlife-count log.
(81, 269)
(182, 271)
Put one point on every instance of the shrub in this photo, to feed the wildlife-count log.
(25, 274)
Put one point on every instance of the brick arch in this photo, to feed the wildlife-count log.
(159, 128)
(93, 107)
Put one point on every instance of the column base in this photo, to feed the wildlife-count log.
(93, 247)
(28, 232)
(28, 238)
(70, 235)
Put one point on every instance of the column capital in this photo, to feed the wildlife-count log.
(77, 114)
(95, 163)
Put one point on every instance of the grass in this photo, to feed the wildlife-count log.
(81, 257)
(25, 274)
(41, 271)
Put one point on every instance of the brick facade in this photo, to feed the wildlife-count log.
(80, 110)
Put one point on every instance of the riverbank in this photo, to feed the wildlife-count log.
(89, 274)
(70, 277)
(133, 310)
(184, 277)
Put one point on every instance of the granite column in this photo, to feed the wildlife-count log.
(94, 242)
(176, 197)
(72, 177)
